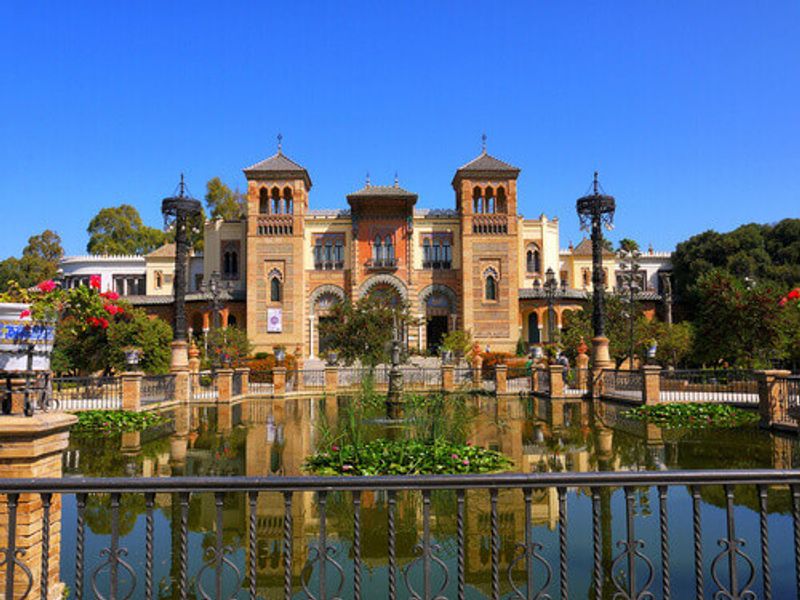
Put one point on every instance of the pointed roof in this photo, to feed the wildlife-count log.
(585, 249)
(486, 166)
(277, 166)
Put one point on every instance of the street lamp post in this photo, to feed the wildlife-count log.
(595, 211)
(218, 292)
(177, 211)
(552, 290)
(629, 289)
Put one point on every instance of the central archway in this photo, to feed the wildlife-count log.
(438, 309)
(384, 285)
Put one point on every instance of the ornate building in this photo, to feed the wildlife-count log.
(478, 266)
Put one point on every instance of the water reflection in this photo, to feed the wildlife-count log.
(273, 437)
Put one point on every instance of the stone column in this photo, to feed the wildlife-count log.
(477, 375)
(182, 386)
(535, 378)
(556, 381)
(311, 336)
(132, 391)
(194, 358)
(298, 357)
(225, 385)
(501, 379)
(582, 365)
(32, 447)
(244, 375)
(651, 384)
(448, 381)
(771, 396)
(279, 381)
(331, 379)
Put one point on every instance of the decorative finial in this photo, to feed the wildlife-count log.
(571, 247)
(183, 187)
(280, 143)
(483, 143)
(368, 184)
(396, 180)
(596, 184)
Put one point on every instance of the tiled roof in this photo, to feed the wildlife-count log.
(329, 212)
(486, 165)
(165, 251)
(152, 300)
(278, 165)
(382, 191)
(585, 249)
(433, 213)
(572, 294)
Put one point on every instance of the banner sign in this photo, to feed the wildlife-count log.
(274, 320)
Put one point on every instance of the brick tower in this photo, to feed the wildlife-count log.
(277, 202)
(486, 201)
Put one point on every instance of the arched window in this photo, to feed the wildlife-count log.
(533, 260)
(477, 200)
(276, 201)
(275, 289)
(338, 254)
(389, 248)
(328, 251)
(288, 201)
(231, 321)
(159, 277)
(263, 201)
(489, 202)
(586, 278)
(318, 253)
(446, 253)
(377, 249)
(426, 251)
(490, 288)
(501, 200)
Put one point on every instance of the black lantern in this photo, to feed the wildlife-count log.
(178, 211)
(595, 211)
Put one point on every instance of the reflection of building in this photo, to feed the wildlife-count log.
(473, 266)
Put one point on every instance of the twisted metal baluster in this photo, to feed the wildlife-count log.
(698, 542)
(597, 573)
(663, 524)
(426, 544)
(357, 545)
(115, 500)
(219, 500)
(45, 575)
(796, 527)
(183, 576)
(460, 538)
(12, 554)
(287, 545)
(149, 501)
(80, 544)
(562, 543)
(253, 498)
(392, 507)
(323, 542)
(495, 545)
(764, 531)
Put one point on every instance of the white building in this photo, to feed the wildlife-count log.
(122, 274)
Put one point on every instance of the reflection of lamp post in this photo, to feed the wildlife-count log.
(177, 211)
(552, 290)
(628, 290)
(596, 210)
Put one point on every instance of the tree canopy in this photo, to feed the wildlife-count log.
(763, 254)
(120, 230)
(39, 261)
(224, 203)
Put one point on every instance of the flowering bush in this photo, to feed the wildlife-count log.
(86, 306)
(792, 298)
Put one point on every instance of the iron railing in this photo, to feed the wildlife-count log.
(463, 376)
(157, 388)
(623, 385)
(87, 393)
(543, 380)
(732, 386)
(260, 383)
(721, 551)
(236, 384)
(314, 378)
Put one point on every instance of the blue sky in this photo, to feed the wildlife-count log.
(689, 110)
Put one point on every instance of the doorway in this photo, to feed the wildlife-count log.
(533, 328)
(436, 329)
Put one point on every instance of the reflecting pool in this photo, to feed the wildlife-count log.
(264, 437)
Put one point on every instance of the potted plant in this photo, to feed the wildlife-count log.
(30, 317)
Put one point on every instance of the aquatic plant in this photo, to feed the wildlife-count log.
(113, 421)
(693, 415)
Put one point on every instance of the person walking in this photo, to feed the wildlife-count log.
(564, 362)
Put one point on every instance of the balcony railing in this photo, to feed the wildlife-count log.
(694, 539)
(381, 263)
(275, 225)
(329, 265)
(436, 264)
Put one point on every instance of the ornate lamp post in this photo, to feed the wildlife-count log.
(218, 292)
(630, 287)
(595, 211)
(177, 211)
(552, 290)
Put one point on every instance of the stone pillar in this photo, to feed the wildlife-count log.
(448, 381)
(651, 384)
(132, 391)
(180, 356)
(182, 386)
(130, 442)
(582, 365)
(477, 375)
(225, 385)
(298, 357)
(331, 379)
(771, 404)
(501, 379)
(556, 381)
(32, 447)
(194, 358)
(244, 375)
(279, 381)
(535, 378)
(311, 336)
